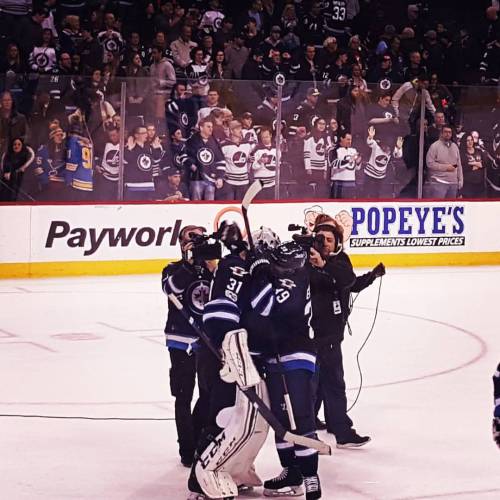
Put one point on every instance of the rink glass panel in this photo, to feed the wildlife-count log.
(467, 109)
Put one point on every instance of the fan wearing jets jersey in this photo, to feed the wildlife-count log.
(204, 163)
(376, 168)
(138, 166)
(316, 147)
(345, 161)
(281, 294)
(336, 23)
(263, 162)
(107, 180)
(237, 154)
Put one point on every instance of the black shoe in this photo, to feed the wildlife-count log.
(320, 425)
(352, 440)
(313, 487)
(187, 461)
(288, 483)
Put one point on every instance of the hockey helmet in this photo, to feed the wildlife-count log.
(288, 257)
(265, 240)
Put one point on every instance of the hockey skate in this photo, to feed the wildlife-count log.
(287, 484)
(313, 487)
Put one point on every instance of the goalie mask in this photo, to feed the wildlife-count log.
(265, 240)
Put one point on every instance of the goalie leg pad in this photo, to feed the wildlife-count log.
(233, 450)
(238, 364)
(215, 484)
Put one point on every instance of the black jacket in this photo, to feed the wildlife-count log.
(331, 288)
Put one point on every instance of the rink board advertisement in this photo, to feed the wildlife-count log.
(52, 240)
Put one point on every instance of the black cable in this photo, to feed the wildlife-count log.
(364, 343)
(79, 417)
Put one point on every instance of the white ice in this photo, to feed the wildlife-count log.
(95, 347)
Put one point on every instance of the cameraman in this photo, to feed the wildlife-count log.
(332, 281)
(189, 279)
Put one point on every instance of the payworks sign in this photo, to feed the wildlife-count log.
(408, 226)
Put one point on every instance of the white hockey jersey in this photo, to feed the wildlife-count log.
(376, 166)
(344, 164)
(315, 152)
(263, 160)
(249, 135)
(43, 59)
(110, 163)
(237, 162)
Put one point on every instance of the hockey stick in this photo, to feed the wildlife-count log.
(251, 193)
(267, 414)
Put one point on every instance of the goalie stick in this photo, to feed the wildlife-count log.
(251, 193)
(267, 414)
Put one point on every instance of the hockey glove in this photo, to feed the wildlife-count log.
(496, 430)
(378, 271)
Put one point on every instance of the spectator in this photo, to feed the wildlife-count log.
(43, 113)
(309, 68)
(181, 113)
(13, 125)
(474, 172)
(328, 54)
(236, 152)
(384, 73)
(137, 86)
(178, 148)
(204, 164)
(411, 92)
(70, 37)
(216, 116)
(138, 166)
(212, 103)
(305, 111)
(414, 68)
(435, 130)
(31, 31)
(344, 160)
(12, 61)
(182, 47)
(351, 113)
(207, 44)
(219, 69)
(433, 52)
(51, 165)
(444, 168)
(383, 115)
(311, 27)
(236, 56)
(266, 111)
(43, 57)
(175, 189)
(163, 78)
(135, 46)
(110, 39)
(91, 52)
(263, 163)
(197, 70)
(358, 80)
(109, 168)
(316, 147)
(248, 131)
(15, 161)
(223, 37)
(273, 42)
(382, 156)
(255, 13)
(490, 65)
(252, 69)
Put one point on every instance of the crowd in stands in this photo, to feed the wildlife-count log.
(201, 99)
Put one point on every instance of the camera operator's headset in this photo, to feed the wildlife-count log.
(337, 232)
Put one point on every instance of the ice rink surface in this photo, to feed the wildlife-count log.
(94, 347)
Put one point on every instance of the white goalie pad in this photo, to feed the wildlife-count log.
(234, 450)
(215, 484)
(237, 363)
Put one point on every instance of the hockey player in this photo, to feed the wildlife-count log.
(237, 154)
(281, 293)
(189, 280)
(344, 160)
(332, 280)
(496, 413)
(263, 161)
(236, 432)
(375, 170)
(316, 147)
